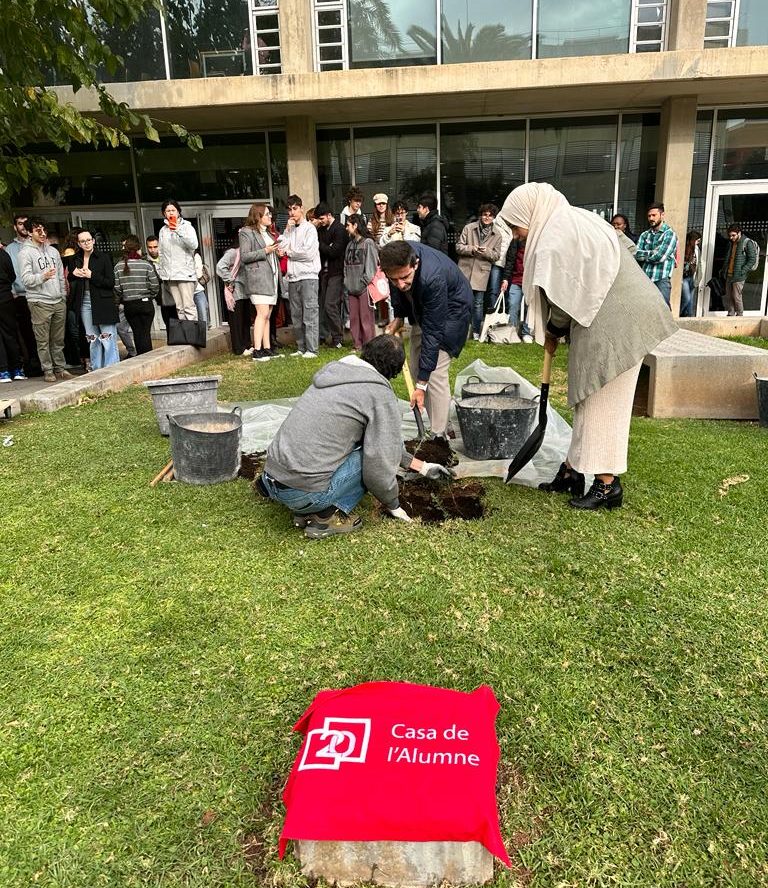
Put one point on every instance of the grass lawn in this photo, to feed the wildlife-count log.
(158, 645)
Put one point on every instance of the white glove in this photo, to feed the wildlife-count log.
(401, 514)
(436, 472)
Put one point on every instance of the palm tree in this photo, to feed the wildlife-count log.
(491, 43)
(374, 36)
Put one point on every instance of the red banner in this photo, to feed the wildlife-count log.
(391, 761)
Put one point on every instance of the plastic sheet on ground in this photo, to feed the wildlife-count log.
(261, 420)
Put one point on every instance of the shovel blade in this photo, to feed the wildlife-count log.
(535, 439)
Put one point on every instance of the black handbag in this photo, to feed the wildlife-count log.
(187, 333)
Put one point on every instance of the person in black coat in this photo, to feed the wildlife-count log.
(92, 283)
(427, 288)
(10, 355)
(434, 231)
(333, 239)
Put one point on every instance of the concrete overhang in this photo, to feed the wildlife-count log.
(736, 76)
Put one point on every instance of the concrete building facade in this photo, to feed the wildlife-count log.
(615, 102)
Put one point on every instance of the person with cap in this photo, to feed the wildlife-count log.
(382, 216)
(580, 282)
(427, 288)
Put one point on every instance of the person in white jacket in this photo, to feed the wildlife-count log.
(299, 242)
(176, 265)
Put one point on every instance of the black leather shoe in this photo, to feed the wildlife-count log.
(601, 496)
(565, 481)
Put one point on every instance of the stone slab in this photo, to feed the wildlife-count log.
(158, 363)
(700, 377)
(720, 325)
(9, 407)
(397, 864)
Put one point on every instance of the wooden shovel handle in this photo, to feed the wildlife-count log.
(161, 474)
(546, 370)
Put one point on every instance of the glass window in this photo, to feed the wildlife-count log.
(389, 33)
(583, 27)
(485, 30)
(278, 160)
(87, 177)
(141, 49)
(578, 157)
(208, 40)
(753, 23)
(637, 170)
(334, 166)
(479, 163)
(401, 162)
(230, 167)
(700, 173)
(740, 144)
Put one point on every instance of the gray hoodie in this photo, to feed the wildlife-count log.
(34, 261)
(349, 404)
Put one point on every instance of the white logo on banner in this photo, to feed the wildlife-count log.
(339, 740)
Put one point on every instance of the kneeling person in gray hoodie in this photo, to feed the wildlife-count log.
(341, 439)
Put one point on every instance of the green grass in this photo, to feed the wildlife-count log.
(158, 644)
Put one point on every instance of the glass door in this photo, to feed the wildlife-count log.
(108, 227)
(745, 205)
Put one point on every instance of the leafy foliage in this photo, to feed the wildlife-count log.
(373, 31)
(489, 44)
(49, 42)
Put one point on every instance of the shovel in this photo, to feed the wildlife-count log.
(416, 411)
(531, 446)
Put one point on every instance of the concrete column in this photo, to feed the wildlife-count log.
(685, 24)
(296, 36)
(301, 147)
(673, 178)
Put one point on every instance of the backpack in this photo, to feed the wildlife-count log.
(756, 264)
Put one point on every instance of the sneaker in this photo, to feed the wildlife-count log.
(339, 345)
(261, 355)
(247, 352)
(49, 376)
(528, 339)
(338, 523)
(275, 353)
(297, 354)
(18, 374)
(476, 337)
(301, 521)
(64, 374)
(310, 355)
(5, 376)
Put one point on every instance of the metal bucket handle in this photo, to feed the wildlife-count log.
(473, 376)
(238, 411)
(170, 418)
(511, 385)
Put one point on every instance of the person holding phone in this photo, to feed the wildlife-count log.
(177, 241)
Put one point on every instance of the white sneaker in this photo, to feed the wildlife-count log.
(297, 354)
(476, 337)
(248, 352)
(528, 339)
(309, 355)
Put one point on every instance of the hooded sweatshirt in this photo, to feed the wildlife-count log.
(34, 261)
(349, 404)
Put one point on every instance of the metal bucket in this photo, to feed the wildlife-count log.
(495, 426)
(762, 400)
(206, 446)
(475, 389)
(187, 394)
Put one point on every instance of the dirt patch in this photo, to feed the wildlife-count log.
(437, 502)
(436, 450)
(251, 465)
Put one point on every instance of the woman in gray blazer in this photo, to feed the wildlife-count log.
(260, 271)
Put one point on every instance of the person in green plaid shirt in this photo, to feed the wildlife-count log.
(657, 250)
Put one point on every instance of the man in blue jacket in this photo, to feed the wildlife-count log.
(429, 290)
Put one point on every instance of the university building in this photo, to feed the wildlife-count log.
(615, 102)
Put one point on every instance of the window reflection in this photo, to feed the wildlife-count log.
(402, 164)
(578, 157)
(141, 49)
(486, 30)
(479, 163)
(740, 142)
(384, 33)
(637, 171)
(208, 40)
(334, 166)
(753, 23)
(700, 172)
(583, 27)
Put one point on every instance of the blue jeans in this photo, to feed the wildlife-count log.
(664, 286)
(201, 304)
(102, 338)
(686, 298)
(478, 310)
(514, 301)
(494, 285)
(344, 491)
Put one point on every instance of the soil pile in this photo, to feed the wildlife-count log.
(435, 450)
(435, 503)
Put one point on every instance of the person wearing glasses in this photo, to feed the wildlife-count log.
(42, 275)
(92, 283)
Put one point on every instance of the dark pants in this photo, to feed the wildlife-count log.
(72, 338)
(330, 307)
(240, 326)
(10, 354)
(168, 312)
(140, 313)
(27, 335)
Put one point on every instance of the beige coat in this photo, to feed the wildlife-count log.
(477, 269)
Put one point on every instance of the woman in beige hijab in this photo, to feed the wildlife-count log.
(580, 282)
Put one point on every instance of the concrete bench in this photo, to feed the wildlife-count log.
(694, 376)
(160, 362)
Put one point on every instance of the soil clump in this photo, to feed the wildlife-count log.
(435, 450)
(434, 503)
(251, 465)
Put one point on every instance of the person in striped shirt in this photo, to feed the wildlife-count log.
(136, 287)
(657, 250)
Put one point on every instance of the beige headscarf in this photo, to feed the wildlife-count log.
(571, 254)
